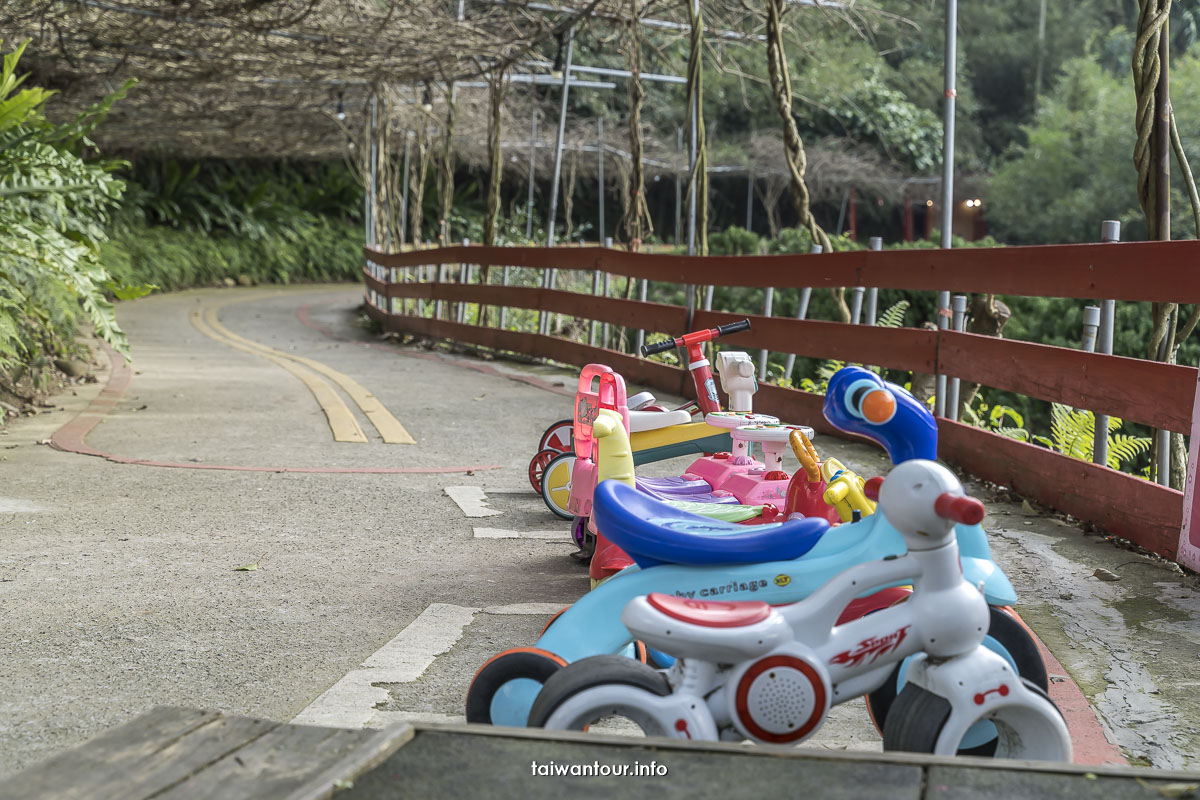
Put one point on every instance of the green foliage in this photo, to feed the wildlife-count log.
(996, 419)
(53, 208)
(1072, 434)
(733, 241)
(312, 249)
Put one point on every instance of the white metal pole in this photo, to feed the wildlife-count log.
(949, 67)
(1110, 231)
(873, 292)
(548, 281)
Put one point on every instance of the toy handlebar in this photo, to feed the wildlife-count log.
(696, 337)
(966, 510)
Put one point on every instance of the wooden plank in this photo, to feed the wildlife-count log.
(897, 348)
(139, 759)
(1145, 513)
(275, 765)
(365, 757)
(1154, 394)
(1151, 271)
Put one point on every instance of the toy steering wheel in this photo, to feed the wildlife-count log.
(806, 454)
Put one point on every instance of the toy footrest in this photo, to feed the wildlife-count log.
(673, 486)
(710, 613)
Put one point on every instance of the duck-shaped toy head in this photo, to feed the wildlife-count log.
(859, 401)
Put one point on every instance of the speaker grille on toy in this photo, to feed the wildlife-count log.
(780, 699)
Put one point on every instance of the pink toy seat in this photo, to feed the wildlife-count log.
(710, 613)
(599, 387)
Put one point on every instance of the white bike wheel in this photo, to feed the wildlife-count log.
(1033, 731)
(599, 687)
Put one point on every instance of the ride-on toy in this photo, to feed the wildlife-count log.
(747, 670)
(657, 432)
(780, 563)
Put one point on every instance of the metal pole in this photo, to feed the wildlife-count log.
(607, 327)
(1091, 326)
(960, 324)
(532, 161)
(801, 313)
(1110, 231)
(749, 199)
(876, 243)
(949, 66)
(504, 309)
(600, 172)
(641, 334)
(678, 191)
(404, 193)
(768, 305)
(548, 280)
(373, 182)
(595, 293)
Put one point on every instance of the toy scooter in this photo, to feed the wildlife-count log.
(745, 670)
(779, 563)
(657, 433)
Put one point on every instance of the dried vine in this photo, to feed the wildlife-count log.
(698, 180)
(781, 89)
(445, 168)
(635, 217)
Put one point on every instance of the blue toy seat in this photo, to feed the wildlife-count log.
(652, 532)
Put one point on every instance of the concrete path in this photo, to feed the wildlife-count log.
(378, 587)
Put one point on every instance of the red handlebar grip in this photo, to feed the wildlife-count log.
(871, 488)
(966, 510)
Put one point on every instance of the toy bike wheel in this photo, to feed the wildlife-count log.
(1007, 637)
(537, 467)
(1034, 732)
(520, 663)
(558, 437)
(597, 687)
(556, 484)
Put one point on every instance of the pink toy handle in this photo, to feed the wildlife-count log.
(599, 387)
(959, 508)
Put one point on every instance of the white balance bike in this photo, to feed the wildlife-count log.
(748, 670)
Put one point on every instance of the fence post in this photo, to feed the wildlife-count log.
(801, 313)
(1110, 231)
(641, 334)
(768, 304)
(960, 324)
(873, 293)
(1189, 536)
(464, 278)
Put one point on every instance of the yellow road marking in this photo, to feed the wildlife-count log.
(341, 422)
(390, 429)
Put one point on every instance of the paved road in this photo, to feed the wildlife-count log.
(375, 595)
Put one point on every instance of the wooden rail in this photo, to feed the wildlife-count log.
(1159, 395)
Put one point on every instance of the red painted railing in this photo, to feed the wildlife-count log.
(1160, 395)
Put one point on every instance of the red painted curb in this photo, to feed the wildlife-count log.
(70, 437)
(1090, 744)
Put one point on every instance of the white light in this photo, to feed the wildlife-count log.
(970, 203)
(341, 115)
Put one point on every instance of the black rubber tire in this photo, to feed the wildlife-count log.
(1001, 627)
(594, 671)
(918, 716)
(546, 434)
(915, 720)
(512, 665)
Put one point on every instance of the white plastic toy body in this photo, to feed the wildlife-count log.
(738, 380)
(771, 674)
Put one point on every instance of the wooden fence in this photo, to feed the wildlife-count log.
(1159, 395)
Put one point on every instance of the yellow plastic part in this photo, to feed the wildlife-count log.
(806, 454)
(845, 491)
(674, 434)
(614, 459)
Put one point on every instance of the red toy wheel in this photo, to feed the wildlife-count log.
(537, 467)
(558, 437)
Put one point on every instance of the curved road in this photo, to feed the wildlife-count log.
(241, 440)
